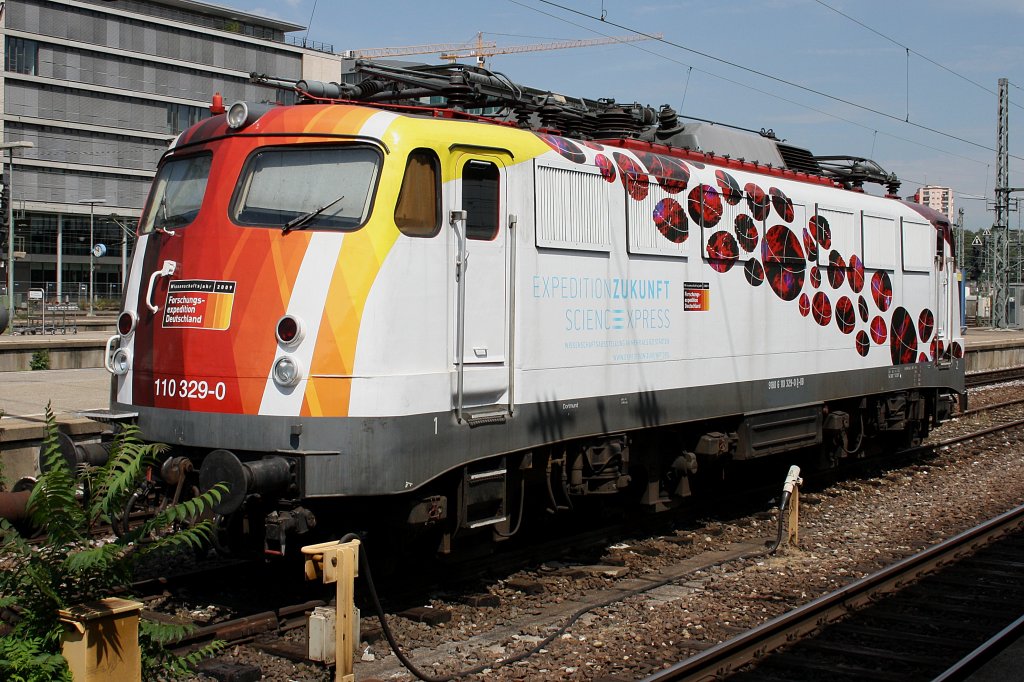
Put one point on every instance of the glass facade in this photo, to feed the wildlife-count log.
(100, 89)
(21, 55)
(36, 234)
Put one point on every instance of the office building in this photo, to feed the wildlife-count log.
(939, 198)
(100, 88)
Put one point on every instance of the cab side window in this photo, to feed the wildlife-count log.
(418, 210)
(481, 183)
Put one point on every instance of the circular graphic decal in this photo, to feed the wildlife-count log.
(670, 173)
(671, 221)
(783, 205)
(810, 246)
(567, 148)
(862, 308)
(836, 270)
(881, 290)
(722, 251)
(731, 191)
(746, 232)
(815, 276)
(633, 177)
(821, 309)
(819, 227)
(937, 349)
(754, 273)
(805, 305)
(862, 343)
(705, 205)
(902, 337)
(925, 324)
(784, 264)
(676, 175)
(879, 332)
(855, 273)
(846, 319)
(757, 201)
(604, 164)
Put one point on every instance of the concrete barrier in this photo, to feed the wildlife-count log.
(16, 353)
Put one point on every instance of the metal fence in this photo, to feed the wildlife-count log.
(106, 296)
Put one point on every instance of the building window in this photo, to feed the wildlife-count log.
(21, 55)
(182, 116)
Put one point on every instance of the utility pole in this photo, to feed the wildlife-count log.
(960, 253)
(999, 242)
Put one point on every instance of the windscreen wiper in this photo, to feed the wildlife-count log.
(297, 222)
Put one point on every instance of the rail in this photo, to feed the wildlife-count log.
(729, 656)
(975, 379)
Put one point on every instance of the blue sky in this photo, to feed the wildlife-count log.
(946, 86)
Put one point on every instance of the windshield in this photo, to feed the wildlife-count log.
(177, 193)
(326, 187)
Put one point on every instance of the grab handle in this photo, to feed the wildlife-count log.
(166, 271)
(106, 353)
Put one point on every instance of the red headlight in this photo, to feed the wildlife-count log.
(290, 330)
(126, 323)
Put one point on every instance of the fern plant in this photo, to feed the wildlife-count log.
(69, 567)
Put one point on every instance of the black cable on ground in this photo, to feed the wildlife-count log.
(419, 674)
(774, 547)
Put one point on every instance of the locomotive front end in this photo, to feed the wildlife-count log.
(238, 258)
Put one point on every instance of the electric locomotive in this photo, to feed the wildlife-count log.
(360, 305)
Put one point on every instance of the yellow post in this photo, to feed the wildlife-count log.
(101, 640)
(338, 562)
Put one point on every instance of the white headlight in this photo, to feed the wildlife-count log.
(237, 115)
(241, 114)
(287, 371)
(121, 362)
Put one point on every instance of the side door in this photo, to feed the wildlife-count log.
(482, 281)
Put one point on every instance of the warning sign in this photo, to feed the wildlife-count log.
(696, 296)
(199, 304)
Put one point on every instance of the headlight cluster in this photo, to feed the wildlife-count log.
(120, 363)
(289, 332)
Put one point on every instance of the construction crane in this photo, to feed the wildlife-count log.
(481, 49)
(429, 48)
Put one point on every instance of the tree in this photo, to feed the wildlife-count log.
(972, 262)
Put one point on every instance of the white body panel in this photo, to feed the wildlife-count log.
(605, 314)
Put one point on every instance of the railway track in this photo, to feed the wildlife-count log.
(995, 376)
(275, 622)
(955, 605)
(270, 625)
(941, 610)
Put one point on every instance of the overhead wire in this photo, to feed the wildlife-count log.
(910, 50)
(752, 88)
(769, 76)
